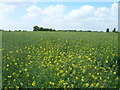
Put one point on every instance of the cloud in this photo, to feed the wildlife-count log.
(5, 9)
(54, 10)
(102, 14)
(50, 11)
(32, 12)
(114, 10)
(83, 12)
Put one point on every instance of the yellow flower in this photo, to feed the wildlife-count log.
(87, 84)
(10, 51)
(13, 73)
(15, 63)
(52, 83)
(70, 68)
(65, 83)
(72, 85)
(114, 72)
(93, 76)
(92, 85)
(116, 78)
(89, 58)
(61, 71)
(73, 72)
(108, 78)
(98, 73)
(17, 86)
(7, 65)
(33, 83)
(76, 78)
(100, 78)
(106, 61)
(21, 84)
(17, 51)
(104, 80)
(84, 70)
(9, 76)
(113, 54)
(63, 74)
(27, 75)
(82, 79)
(33, 77)
(61, 81)
(20, 65)
(102, 86)
(79, 56)
(25, 69)
(66, 71)
(95, 67)
(97, 85)
(94, 60)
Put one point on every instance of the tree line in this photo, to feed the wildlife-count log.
(36, 28)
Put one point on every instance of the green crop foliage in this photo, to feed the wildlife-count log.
(59, 60)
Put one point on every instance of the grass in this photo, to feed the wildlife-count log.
(60, 60)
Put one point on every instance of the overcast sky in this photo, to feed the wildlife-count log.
(59, 15)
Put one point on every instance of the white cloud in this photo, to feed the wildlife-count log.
(5, 9)
(83, 11)
(54, 10)
(114, 10)
(33, 12)
(50, 11)
(102, 12)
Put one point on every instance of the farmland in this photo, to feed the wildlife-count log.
(59, 60)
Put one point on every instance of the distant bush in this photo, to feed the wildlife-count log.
(24, 30)
(1, 30)
(114, 30)
(107, 30)
(88, 30)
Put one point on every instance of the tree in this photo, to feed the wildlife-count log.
(35, 28)
(41, 29)
(114, 30)
(1, 30)
(107, 30)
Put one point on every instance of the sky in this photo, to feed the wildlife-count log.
(94, 16)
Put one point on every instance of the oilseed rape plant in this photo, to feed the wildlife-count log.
(60, 60)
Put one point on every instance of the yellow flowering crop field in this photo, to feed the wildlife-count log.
(59, 60)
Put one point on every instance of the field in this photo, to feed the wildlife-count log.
(59, 60)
